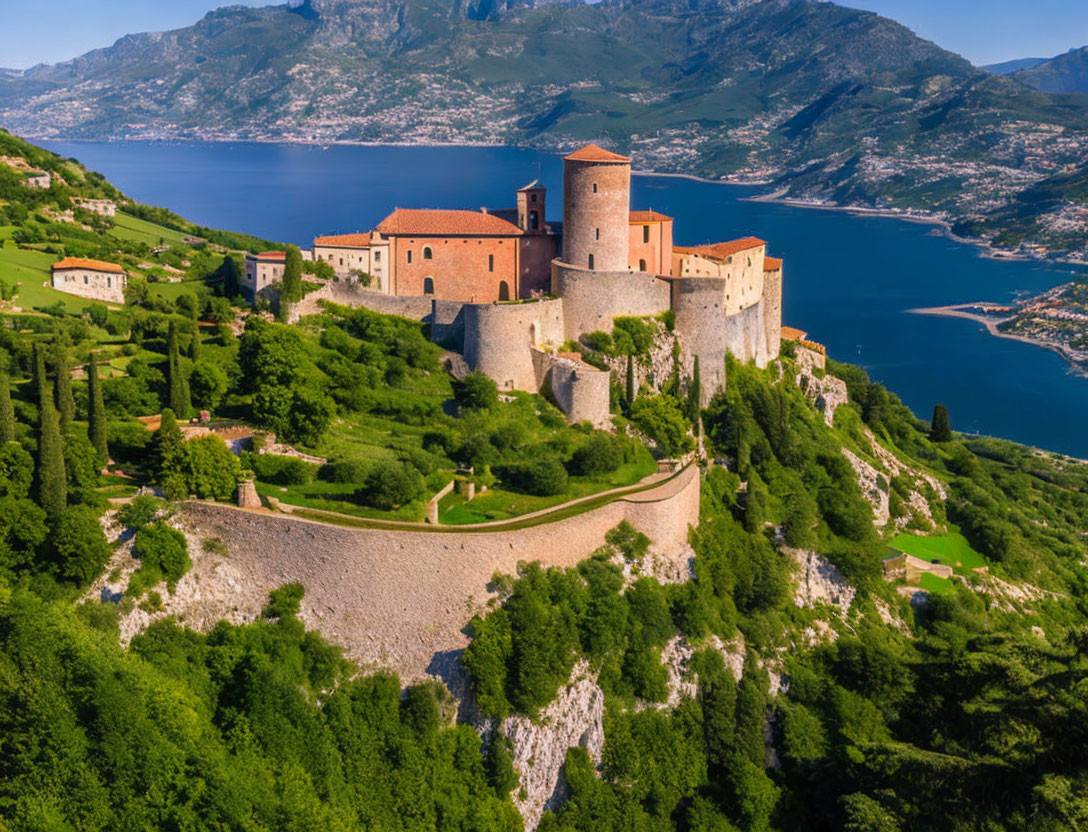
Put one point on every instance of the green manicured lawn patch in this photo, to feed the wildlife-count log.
(951, 549)
(126, 227)
(331, 496)
(934, 584)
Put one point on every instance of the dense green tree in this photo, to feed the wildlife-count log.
(940, 430)
(202, 467)
(390, 484)
(291, 285)
(629, 386)
(16, 470)
(40, 379)
(167, 446)
(96, 413)
(66, 403)
(52, 481)
(79, 546)
(208, 383)
(695, 394)
(476, 391)
(660, 418)
(7, 411)
(176, 381)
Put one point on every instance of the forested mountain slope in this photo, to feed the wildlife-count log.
(1065, 73)
(786, 683)
(838, 105)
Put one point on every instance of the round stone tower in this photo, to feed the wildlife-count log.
(596, 208)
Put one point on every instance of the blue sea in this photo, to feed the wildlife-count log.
(849, 280)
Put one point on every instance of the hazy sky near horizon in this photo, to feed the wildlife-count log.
(983, 31)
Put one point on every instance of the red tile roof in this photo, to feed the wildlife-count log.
(93, 265)
(593, 153)
(721, 251)
(790, 333)
(407, 222)
(344, 241)
(643, 217)
(276, 256)
(772, 264)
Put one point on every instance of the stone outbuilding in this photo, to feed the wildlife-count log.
(93, 279)
(346, 253)
(262, 272)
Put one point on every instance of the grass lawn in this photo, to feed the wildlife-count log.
(950, 549)
(172, 291)
(332, 496)
(499, 504)
(934, 584)
(141, 231)
(32, 270)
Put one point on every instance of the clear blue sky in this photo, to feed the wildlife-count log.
(984, 31)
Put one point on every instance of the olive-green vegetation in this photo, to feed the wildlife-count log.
(970, 721)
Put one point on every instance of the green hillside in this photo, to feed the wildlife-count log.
(862, 703)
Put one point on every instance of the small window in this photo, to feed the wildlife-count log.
(427, 253)
(534, 220)
(642, 265)
(533, 198)
(645, 233)
(504, 290)
(428, 285)
(84, 280)
(341, 261)
(109, 282)
(594, 187)
(591, 262)
(377, 257)
(409, 256)
(491, 262)
(749, 262)
(597, 233)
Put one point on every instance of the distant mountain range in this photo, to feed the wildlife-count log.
(1063, 74)
(1009, 67)
(821, 102)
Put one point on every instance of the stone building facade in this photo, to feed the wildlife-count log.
(262, 272)
(102, 207)
(347, 253)
(608, 261)
(94, 279)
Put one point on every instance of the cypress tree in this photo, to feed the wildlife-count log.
(42, 389)
(629, 392)
(194, 343)
(177, 386)
(167, 444)
(52, 481)
(695, 394)
(291, 287)
(7, 412)
(96, 413)
(66, 403)
(939, 429)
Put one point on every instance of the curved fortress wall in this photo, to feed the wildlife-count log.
(591, 299)
(596, 206)
(500, 338)
(399, 599)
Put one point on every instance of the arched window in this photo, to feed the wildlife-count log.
(591, 262)
(427, 253)
(534, 219)
(504, 290)
(428, 285)
(642, 265)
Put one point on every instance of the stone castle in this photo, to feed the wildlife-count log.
(507, 289)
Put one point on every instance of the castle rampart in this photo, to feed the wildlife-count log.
(591, 299)
(581, 390)
(499, 338)
(596, 206)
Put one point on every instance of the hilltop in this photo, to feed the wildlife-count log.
(1066, 73)
(870, 622)
(828, 104)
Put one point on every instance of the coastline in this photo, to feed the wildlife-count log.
(959, 310)
(776, 197)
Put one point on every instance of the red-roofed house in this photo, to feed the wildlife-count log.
(90, 279)
(471, 256)
(347, 253)
(262, 270)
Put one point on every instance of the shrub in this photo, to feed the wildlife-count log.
(345, 471)
(633, 336)
(139, 512)
(544, 476)
(389, 485)
(79, 545)
(164, 549)
(284, 602)
(281, 470)
(601, 454)
(476, 391)
(629, 540)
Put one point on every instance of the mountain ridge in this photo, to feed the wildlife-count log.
(1065, 73)
(834, 105)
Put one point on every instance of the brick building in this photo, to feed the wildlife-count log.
(90, 279)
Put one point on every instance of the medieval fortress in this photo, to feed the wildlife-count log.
(507, 290)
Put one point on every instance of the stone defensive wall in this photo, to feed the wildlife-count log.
(706, 331)
(400, 599)
(581, 390)
(445, 317)
(772, 312)
(593, 298)
(500, 338)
